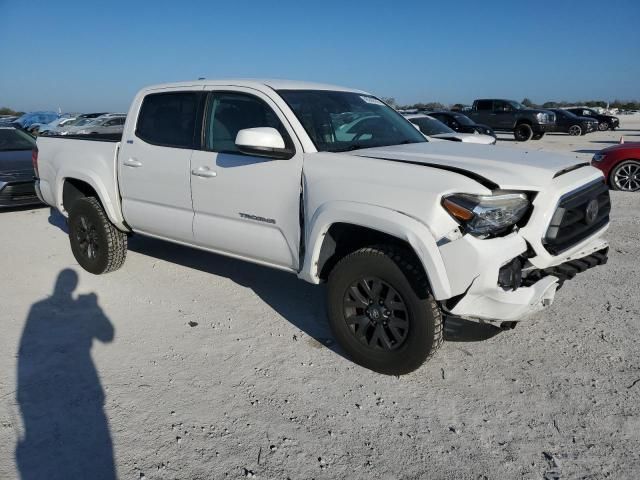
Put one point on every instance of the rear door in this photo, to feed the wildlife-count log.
(503, 115)
(246, 206)
(484, 112)
(154, 161)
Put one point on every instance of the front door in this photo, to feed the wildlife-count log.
(246, 206)
(154, 165)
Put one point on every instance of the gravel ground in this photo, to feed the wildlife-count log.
(188, 365)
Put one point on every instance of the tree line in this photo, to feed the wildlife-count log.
(8, 111)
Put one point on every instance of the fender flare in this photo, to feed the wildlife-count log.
(113, 211)
(385, 220)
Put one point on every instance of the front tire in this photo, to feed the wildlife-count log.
(626, 176)
(523, 132)
(603, 126)
(381, 311)
(97, 245)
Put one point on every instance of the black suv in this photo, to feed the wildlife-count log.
(510, 116)
(572, 124)
(607, 122)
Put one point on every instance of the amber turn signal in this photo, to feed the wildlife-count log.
(456, 210)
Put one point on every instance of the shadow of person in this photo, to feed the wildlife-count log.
(66, 434)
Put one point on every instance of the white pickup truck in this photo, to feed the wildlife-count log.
(333, 185)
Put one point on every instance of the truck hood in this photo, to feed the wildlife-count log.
(505, 168)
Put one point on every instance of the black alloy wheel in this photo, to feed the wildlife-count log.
(381, 310)
(86, 237)
(97, 245)
(523, 132)
(376, 314)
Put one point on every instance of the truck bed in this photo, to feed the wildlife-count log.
(87, 158)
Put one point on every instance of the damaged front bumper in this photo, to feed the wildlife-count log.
(510, 288)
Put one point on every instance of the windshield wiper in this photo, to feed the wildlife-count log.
(350, 148)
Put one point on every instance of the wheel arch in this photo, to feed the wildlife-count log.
(340, 228)
(74, 185)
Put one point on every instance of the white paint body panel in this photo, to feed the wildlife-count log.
(396, 190)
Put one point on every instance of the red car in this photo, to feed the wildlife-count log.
(620, 165)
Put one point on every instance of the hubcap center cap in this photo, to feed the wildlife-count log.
(377, 313)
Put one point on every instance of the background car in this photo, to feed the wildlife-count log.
(431, 127)
(461, 123)
(92, 115)
(103, 125)
(572, 124)
(32, 118)
(73, 127)
(17, 185)
(620, 165)
(606, 122)
(46, 128)
(6, 120)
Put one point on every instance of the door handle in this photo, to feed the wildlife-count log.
(132, 162)
(205, 172)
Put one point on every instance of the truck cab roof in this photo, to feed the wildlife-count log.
(259, 83)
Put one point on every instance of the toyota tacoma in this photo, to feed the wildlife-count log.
(334, 186)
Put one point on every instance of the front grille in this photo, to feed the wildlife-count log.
(16, 192)
(576, 217)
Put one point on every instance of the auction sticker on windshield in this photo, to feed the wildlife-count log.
(371, 100)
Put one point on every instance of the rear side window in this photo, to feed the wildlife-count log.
(484, 105)
(228, 113)
(168, 119)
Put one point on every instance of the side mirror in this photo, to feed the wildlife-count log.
(263, 142)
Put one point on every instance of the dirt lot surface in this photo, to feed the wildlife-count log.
(189, 365)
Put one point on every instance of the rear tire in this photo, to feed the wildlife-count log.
(381, 311)
(97, 245)
(523, 132)
(575, 130)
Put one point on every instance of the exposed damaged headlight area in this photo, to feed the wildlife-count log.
(487, 216)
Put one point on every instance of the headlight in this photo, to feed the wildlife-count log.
(598, 157)
(543, 117)
(484, 215)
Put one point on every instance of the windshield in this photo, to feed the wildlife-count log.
(342, 121)
(431, 126)
(517, 106)
(12, 139)
(464, 120)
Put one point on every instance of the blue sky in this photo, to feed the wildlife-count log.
(84, 56)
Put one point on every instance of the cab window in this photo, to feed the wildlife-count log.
(168, 119)
(228, 112)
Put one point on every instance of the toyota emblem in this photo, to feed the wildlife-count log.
(591, 212)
